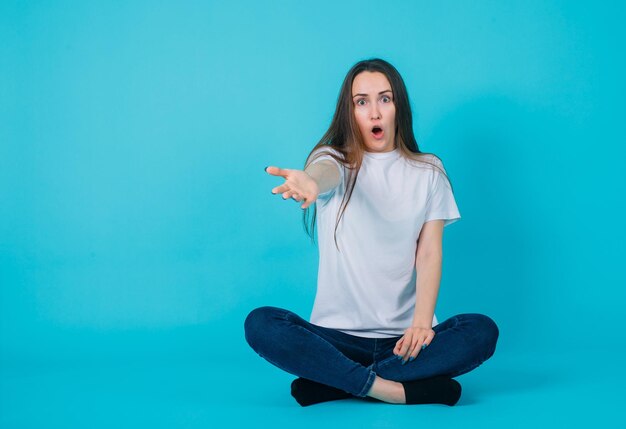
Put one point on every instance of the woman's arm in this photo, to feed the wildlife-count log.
(428, 266)
(428, 261)
(326, 175)
(306, 185)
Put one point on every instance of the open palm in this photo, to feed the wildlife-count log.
(298, 185)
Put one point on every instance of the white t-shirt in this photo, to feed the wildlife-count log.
(367, 288)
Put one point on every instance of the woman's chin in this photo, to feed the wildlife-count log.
(378, 146)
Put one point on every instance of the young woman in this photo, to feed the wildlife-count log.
(382, 205)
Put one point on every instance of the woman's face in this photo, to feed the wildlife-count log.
(374, 111)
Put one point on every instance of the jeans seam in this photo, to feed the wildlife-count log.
(368, 384)
(386, 361)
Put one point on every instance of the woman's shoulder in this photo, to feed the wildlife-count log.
(426, 161)
(325, 152)
(326, 149)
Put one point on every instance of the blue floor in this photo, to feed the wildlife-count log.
(556, 390)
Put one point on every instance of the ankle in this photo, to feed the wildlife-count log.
(399, 394)
(387, 391)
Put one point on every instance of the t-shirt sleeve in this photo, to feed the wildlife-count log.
(322, 154)
(441, 204)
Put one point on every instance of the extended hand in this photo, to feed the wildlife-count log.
(298, 185)
(413, 341)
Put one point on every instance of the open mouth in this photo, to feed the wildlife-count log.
(377, 132)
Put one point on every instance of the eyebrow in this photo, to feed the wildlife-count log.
(381, 92)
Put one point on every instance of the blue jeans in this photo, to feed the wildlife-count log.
(351, 363)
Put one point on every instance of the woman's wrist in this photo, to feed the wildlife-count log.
(314, 183)
(421, 323)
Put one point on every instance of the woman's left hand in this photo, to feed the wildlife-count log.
(412, 342)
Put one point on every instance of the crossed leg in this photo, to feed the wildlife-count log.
(332, 358)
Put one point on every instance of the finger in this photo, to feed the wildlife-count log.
(416, 349)
(429, 339)
(287, 195)
(275, 171)
(406, 345)
(399, 344)
(295, 194)
(280, 189)
(307, 203)
(411, 351)
(396, 349)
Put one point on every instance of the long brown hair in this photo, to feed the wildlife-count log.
(344, 135)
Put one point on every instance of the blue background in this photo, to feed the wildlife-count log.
(137, 227)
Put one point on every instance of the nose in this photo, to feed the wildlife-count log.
(375, 114)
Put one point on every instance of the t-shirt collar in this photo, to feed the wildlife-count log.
(383, 155)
